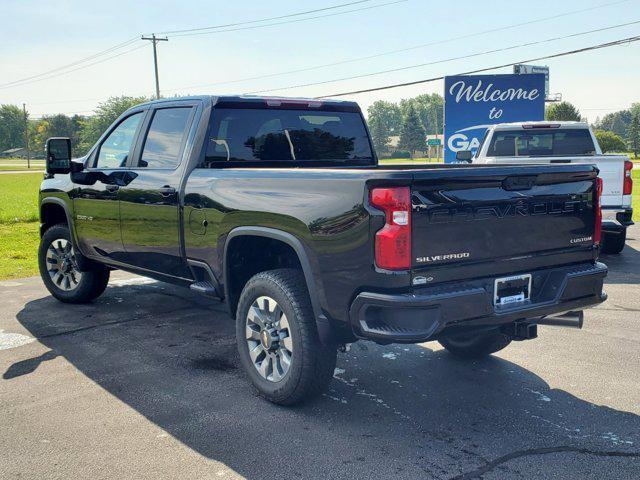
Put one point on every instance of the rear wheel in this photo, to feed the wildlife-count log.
(59, 269)
(474, 345)
(614, 242)
(278, 338)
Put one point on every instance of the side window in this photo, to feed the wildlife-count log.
(165, 139)
(115, 149)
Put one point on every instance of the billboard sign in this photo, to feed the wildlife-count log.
(529, 69)
(472, 103)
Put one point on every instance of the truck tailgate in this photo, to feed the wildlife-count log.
(611, 171)
(488, 214)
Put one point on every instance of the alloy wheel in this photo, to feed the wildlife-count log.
(268, 338)
(62, 266)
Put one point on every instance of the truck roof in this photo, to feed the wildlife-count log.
(539, 124)
(246, 100)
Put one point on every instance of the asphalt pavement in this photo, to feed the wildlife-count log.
(145, 383)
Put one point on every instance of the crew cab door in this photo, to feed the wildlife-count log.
(96, 205)
(149, 204)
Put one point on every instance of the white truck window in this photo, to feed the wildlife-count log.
(541, 143)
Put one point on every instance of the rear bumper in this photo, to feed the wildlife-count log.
(428, 312)
(615, 220)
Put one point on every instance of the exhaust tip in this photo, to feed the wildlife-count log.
(571, 319)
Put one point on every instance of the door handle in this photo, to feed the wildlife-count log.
(167, 191)
(112, 188)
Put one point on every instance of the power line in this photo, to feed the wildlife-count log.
(59, 70)
(77, 68)
(401, 50)
(73, 64)
(477, 54)
(614, 43)
(290, 21)
(169, 32)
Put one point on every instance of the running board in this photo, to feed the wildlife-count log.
(205, 281)
(205, 288)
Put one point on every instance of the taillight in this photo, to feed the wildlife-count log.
(597, 234)
(393, 241)
(628, 181)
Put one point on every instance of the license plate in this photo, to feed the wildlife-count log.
(512, 290)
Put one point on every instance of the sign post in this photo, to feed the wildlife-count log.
(472, 103)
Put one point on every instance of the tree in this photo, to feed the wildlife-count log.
(562, 111)
(38, 136)
(106, 113)
(616, 122)
(610, 142)
(634, 134)
(430, 111)
(11, 127)
(384, 120)
(413, 136)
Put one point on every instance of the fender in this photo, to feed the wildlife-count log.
(324, 327)
(83, 260)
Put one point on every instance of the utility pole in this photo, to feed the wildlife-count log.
(26, 134)
(155, 41)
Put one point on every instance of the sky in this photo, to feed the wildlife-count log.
(39, 36)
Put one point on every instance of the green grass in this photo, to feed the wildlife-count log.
(19, 249)
(19, 197)
(19, 225)
(4, 161)
(20, 168)
(19, 164)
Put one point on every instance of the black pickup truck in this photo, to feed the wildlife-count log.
(279, 208)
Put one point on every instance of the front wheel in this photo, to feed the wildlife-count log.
(278, 339)
(474, 345)
(59, 269)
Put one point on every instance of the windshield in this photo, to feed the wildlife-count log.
(241, 136)
(541, 143)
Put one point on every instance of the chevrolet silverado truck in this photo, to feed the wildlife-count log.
(567, 142)
(279, 208)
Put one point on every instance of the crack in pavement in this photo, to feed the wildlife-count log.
(489, 466)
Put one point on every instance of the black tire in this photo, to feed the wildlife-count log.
(312, 364)
(614, 243)
(90, 283)
(475, 345)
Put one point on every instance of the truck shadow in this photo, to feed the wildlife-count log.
(624, 268)
(391, 411)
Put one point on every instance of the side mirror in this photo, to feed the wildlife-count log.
(464, 156)
(58, 152)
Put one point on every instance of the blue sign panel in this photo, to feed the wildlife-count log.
(474, 102)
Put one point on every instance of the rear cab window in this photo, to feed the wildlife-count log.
(304, 137)
(541, 143)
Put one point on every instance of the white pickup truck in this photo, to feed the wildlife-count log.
(565, 142)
